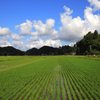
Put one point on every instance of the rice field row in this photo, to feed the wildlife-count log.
(51, 78)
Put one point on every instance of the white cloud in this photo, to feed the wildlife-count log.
(68, 11)
(41, 29)
(53, 43)
(4, 43)
(92, 21)
(17, 44)
(36, 44)
(17, 26)
(73, 29)
(39, 43)
(95, 3)
(25, 28)
(50, 23)
(16, 37)
(5, 37)
(72, 44)
(4, 31)
(34, 38)
(44, 29)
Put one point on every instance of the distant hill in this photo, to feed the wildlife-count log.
(90, 44)
(33, 51)
(47, 50)
(10, 51)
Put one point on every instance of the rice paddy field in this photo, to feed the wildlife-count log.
(49, 78)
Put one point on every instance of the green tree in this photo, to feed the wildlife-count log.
(89, 44)
(95, 36)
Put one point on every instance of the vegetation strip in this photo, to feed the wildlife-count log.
(51, 78)
(20, 65)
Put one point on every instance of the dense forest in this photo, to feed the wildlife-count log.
(90, 44)
(45, 50)
(10, 51)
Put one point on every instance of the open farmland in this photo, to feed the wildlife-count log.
(49, 78)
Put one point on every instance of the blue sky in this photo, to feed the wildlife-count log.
(25, 24)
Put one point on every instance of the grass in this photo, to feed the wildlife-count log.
(49, 78)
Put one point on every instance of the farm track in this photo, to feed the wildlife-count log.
(54, 78)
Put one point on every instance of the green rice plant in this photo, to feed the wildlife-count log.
(35, 77)
(74, 69)
(58, 90)
(70, 87)
(78, 87)
(89, 89)
(38, 88)
(90, 92)
(26, 87)
(50, 86)
(66, 87)
(83, 89)
(62, 90)
(29, 88)
(74, 87)
(45, 88)
(53, 94)
(45, 82)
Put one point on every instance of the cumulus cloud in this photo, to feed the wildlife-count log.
(4, 43)
(36, 44)
(53, 43)
(44, 29)
(73, 29)
(17, 26)
(4, 31)
(17, 44)
(41, 29)
(68, 11)
(39, 43)
(16, 37)
(95, 4)
(5, 37)
(72, 44)
(35, 38)
(25, 28)
(92, 21)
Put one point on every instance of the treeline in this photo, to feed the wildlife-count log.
(90, 44)
(10, 51)
(45, 50)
